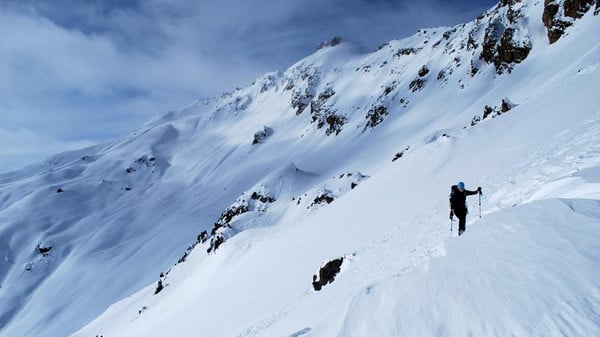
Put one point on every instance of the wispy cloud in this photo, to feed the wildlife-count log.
(74, 73)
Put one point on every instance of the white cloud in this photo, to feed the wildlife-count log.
(93, 71)
(21, 147)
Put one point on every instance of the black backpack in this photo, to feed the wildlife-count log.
(453, 197)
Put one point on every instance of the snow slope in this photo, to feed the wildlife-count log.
(329, 127)
(527, 270)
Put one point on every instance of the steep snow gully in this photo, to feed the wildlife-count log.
(314, 201)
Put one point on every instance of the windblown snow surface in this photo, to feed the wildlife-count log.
(319, 184)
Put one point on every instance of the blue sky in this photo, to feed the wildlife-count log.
(76, 73)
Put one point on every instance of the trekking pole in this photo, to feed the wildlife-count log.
(480, 204)
(451, 223)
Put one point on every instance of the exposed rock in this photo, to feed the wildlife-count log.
(555, 26)
(513, 15)
(305, 90)
(327, 273)
(325, 197)
(487, 111)
(228, 215)
(502, 48)
(407, 51)
(266, 83)
(506, 105)
(404, 102)
(183, 258)
(300, 100)
(385, 44)
(262, 198)
(146, 161)
(557, 20)
(322, 114)
(511, 51)
(400, 154)
(577, 8)
(474, 69)
(417, 84)
(389, 89)
(332, 43)
(335, 41)
(44, 250)
(261, 135)
(325, 95)
(215, 243)
(334, 124)
(375, 116)
(441, 75)
(471, 42)
(202, 237)
(222, 224)
(475, 120)
(159, 287)
(423, 71)
(59, 190)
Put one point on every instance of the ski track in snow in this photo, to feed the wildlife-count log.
(564, 156)
(426, 235)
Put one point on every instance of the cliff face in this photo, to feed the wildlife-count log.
(561, 14)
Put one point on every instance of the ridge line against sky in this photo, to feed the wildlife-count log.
(78, 73)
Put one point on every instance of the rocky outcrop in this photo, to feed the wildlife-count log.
(303, 83)
(332, 43)
(222, 224)
(407, 51)
(417, 84)
(159, 285)
(495, 111)
(327, 273)
(143, 162)
(44, 250)
(261, 135)
(300, 100)
(400, 154)
(560, 14)
(324, 197)
(262, 198)
(506, 41)
(375, 116)
(503, 48)
(202, 237)
(323, 114)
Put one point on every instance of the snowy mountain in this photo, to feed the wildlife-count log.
(224, 218)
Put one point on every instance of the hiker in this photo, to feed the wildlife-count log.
(458, 204)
